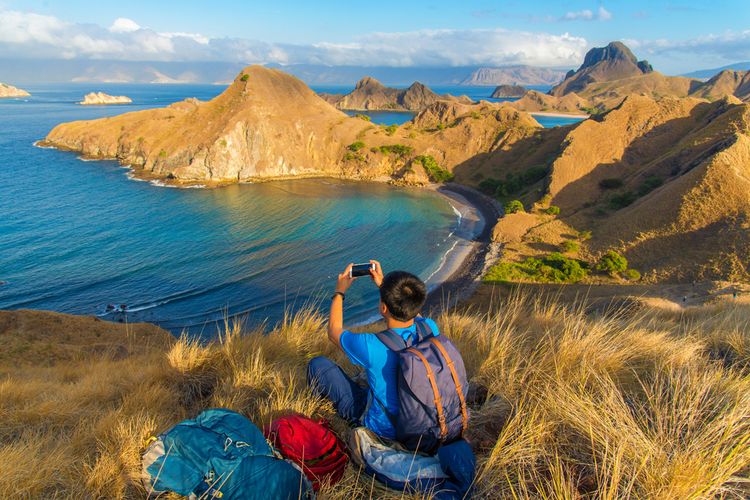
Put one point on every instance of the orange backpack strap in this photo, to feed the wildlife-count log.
(456, 380)
(436, 392)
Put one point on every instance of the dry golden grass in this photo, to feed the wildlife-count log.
(645, 404)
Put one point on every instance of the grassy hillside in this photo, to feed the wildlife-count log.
(643, 403)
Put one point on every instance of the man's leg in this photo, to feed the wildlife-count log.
(327, 379)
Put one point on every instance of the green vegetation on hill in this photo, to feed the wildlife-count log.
(396, 149)
(435, 172)
(552, 268)
(513, 183)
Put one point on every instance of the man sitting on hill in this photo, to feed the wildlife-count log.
(402, 296)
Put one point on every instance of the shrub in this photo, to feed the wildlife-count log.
(610, 183)
(514, 183)
(435, 172)
(631, 275)
(553, 268)
(351, 156)
(374, 149)
(390, 129)
(649, 184)
(584, 235)
(552, 210)
(162, 154)
(397, 149)
(363, 117)
(245, 78)
(570, 246)
(513, 207)
(612, 263)
(356, 146)
(622, 200)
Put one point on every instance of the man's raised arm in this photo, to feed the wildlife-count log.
(336, 317)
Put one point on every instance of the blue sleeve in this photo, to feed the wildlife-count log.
(355, 347)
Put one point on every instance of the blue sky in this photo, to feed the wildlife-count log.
(675, 36)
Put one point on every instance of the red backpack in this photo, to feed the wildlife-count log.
(311, 444)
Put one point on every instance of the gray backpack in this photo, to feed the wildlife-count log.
(432, 389)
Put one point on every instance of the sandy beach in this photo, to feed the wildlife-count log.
(459, 275)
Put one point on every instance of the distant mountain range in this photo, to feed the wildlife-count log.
(28, 71)
(708, 73)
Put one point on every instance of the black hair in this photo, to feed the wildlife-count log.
(403, 294)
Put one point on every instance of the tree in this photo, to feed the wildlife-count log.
(514, 206)
(612, 263)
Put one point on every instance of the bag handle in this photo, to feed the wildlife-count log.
(456, 381)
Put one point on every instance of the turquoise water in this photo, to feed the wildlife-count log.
(77, 235)
(475, 93)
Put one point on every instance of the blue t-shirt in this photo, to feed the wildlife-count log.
(381, 366)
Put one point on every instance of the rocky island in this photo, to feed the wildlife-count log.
(93, 98)
(369, 94)
(11, 91)
(505, 91)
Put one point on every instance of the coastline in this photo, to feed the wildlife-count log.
(459, 275)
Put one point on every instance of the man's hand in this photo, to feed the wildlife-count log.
(377, 273)
(344, 281)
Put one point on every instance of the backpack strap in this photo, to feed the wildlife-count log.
(456, 380)
(435, 391)
(396, 342)
(392, 340)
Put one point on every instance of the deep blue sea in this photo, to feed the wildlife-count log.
(78, 235)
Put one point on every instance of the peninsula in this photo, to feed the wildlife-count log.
(93, 98)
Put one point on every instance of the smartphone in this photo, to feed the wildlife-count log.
(361, 270)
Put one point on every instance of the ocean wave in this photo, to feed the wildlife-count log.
(37, 144)
(158, 183)
(130, 175)
(443, 261)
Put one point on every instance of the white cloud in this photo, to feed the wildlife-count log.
(604, 14)
(36, 36)
(124, 25)
(583, 15)
(601, 14)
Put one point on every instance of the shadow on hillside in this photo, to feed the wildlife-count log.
(661, 152)
(539, 149)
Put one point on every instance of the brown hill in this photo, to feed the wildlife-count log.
(666, 183)
(269, 124)
(502, 91)
(602, 64)
(728, 82)
(369, 94)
